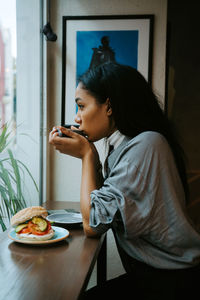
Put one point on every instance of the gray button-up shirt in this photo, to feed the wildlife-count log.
(142, 200)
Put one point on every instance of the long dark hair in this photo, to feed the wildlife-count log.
(134, 105)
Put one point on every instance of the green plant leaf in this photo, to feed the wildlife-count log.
(4, 138)
(17, 174)
(3, 226)
(11, 182)
(6, 180)
(29, 173)
(6, 204)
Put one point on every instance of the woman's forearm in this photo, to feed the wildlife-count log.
(91, 179)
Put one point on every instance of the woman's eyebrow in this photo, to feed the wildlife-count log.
(77, 99)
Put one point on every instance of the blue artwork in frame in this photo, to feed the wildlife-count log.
(95, 47)
(91, 40)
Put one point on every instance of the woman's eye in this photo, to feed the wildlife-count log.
(80, 106)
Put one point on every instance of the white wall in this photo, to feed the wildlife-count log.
(63, 180)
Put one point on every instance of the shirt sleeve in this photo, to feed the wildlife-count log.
(127, 193)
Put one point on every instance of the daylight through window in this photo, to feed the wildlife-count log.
(8, 63)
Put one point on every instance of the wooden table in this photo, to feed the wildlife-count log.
(55, 271)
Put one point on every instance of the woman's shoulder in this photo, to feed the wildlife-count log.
(148, 138)
(145, 145)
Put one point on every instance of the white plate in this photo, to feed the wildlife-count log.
(59, 235)
(68, 218)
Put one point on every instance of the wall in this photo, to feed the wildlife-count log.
(184, 69)
(183, 103)
(63, 180)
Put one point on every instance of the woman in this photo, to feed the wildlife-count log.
(144, 192)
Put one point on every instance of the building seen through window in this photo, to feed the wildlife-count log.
(8, 63)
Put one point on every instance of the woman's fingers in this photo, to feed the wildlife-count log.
(53, 134)
(74, 128)
(73, 144)
(67, 132)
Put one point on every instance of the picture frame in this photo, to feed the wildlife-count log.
(90, 40)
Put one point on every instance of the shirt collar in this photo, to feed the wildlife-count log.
(115, 139)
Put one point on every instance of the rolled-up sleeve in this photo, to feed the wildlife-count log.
(103, 208)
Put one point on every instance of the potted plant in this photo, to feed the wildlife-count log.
(11, 180)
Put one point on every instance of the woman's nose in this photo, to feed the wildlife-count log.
(77, 119)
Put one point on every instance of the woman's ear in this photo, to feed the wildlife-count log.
(109, 108)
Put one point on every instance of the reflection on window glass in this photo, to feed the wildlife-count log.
(8, 63)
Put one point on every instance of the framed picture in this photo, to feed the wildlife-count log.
(92, 40)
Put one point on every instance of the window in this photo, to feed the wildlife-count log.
(21, 74)
(8, 62)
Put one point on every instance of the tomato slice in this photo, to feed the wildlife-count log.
(33, 228)
(25, 230)
(46, 231)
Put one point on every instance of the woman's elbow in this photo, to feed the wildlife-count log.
(89, 232)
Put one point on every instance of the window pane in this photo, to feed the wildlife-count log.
(8, 62)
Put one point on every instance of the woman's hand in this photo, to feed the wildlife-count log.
(78, 146)
(74, 145)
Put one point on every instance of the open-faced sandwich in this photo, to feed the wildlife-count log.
(31, 224)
